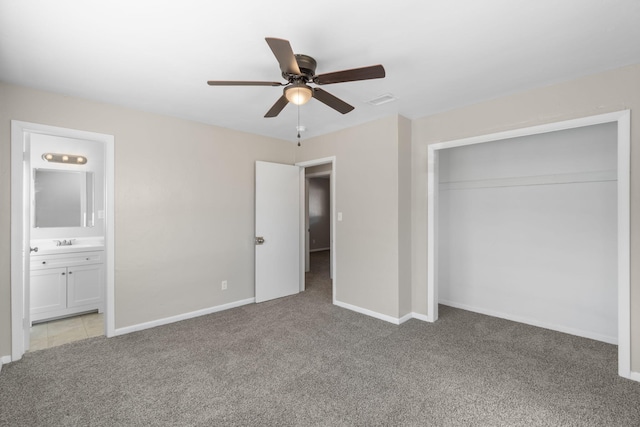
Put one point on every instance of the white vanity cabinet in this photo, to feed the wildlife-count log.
(66, 283)
(48, 291)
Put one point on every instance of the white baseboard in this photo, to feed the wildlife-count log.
(185, 316)
(368, 312)
(635, 376)
(404, 318)
(4, 360)
(385, 317)
(533, 322)
(422, 317)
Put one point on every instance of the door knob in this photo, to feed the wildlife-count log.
(259, 240)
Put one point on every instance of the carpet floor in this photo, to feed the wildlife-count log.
(301, 361)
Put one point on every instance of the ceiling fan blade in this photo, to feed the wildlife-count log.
(277, 107)
(364, 73)
(284, 54)
(241, 83)
(332, 101)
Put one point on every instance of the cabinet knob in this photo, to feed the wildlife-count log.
(71, 272)
(44, 262)
(63, 274)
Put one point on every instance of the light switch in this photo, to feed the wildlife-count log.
(339, 216)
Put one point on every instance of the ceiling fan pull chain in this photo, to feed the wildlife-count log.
(298, 127)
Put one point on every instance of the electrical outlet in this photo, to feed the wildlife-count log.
(224, 285)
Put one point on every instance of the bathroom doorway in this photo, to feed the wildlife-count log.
(62, 234)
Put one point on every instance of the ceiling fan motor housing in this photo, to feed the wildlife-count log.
(307, 66)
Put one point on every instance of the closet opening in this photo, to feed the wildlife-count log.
(532, 225)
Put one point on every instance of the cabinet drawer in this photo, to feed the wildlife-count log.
(39, 262)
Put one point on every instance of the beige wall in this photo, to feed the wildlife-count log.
(404, 216)
(597, 94)
(184, 195)
(183, 204)
(367, 195)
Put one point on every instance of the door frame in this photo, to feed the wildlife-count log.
(623, 120)
(19, 269)
(303, 234)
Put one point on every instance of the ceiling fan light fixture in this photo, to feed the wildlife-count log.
(298, 93)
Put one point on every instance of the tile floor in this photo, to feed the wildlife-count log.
(63, 331)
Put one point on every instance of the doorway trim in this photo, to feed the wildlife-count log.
(303, 165)
(623, 120)
(19, 131)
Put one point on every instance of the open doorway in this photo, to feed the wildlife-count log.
(318, 232)
(62, 234)
(318, 240)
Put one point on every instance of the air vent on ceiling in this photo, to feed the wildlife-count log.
(382, 99)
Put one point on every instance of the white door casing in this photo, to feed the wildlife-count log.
(332, 228)
(20, 227)
(278, 223)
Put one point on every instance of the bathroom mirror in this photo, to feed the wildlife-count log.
(63, 198)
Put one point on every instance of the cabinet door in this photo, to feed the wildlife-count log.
(48, 290)
(84, 285)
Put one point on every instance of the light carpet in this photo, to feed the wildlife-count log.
(301, 361)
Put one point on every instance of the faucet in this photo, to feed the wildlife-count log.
(64, 242)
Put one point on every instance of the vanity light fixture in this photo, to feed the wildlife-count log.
(64, 158)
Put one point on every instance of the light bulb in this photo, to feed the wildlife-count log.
(298, 93)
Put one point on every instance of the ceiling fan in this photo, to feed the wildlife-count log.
(299, 71)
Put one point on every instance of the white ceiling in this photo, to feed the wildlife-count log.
(157, 55)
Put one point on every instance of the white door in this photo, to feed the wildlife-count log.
(277, 230)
